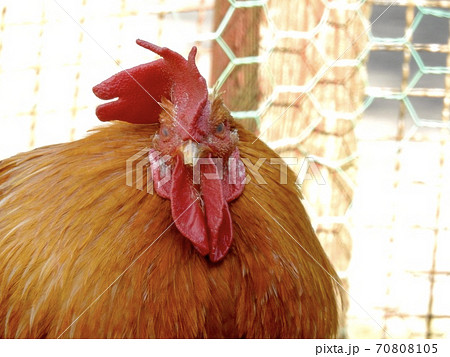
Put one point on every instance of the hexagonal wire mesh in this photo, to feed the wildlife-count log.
(405, 136)
(295, 73)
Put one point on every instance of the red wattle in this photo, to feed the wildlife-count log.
(218, 218)
(202, 217)
(186, 208)
(234, 177)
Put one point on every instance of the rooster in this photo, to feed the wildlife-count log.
(211, 254)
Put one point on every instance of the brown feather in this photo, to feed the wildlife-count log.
(70, 226)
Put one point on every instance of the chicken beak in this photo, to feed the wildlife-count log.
(190, 151)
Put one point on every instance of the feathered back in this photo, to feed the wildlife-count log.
(76, 241)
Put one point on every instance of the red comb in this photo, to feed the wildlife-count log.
(139, 89)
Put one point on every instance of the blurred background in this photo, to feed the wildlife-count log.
(360, 88)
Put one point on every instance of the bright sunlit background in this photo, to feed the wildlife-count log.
(368, 104)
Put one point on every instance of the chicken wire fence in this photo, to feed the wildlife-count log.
(358, 89)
